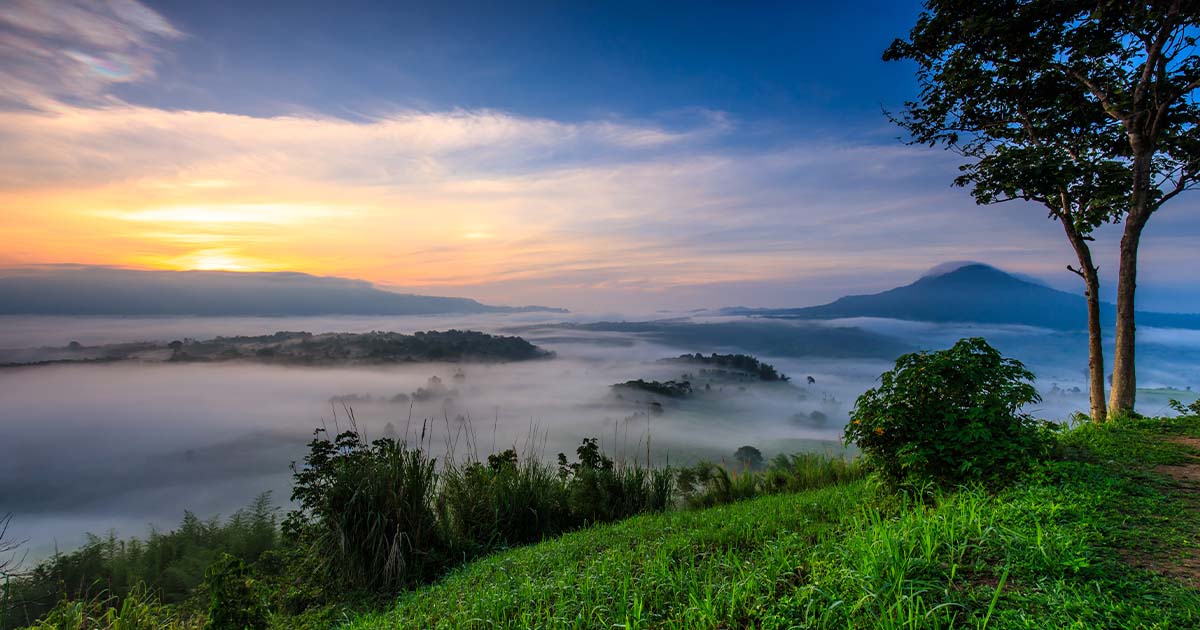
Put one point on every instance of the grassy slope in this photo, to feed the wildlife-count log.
(1055, 552)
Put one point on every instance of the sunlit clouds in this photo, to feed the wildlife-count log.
(601, 211)
(444, 201)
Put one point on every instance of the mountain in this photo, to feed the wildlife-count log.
(973, 292)
(92, 290)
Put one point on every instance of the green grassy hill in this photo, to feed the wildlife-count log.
(1104, 537)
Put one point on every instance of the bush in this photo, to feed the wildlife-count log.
(137, 610)
(505, 502)
(808, 471)
(367, 511)
(707, 484)
(949, 417)
(598, 491)
(235, 598)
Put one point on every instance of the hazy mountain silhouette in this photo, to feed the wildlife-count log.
(90, 290)
(973, 292)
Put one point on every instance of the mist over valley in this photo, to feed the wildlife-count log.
(131, 443)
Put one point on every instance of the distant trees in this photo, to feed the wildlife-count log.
(740, 362)
(749, 458)
(1087, 108)
(671, 389)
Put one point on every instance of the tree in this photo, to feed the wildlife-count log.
(749, 457)
(1138, 62)
(8, 548)
(989, 93)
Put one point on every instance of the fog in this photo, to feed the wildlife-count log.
(128, 445)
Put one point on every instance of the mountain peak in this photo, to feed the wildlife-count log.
(953, 266)
(970, 269)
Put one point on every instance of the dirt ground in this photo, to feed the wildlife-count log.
(1182, 563)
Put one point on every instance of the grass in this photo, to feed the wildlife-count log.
(1056, 551)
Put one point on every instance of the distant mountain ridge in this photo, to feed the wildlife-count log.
(974, 293)
(91, 290)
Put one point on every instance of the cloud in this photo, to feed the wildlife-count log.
(475, 198)
(75, 49)
(592, 214)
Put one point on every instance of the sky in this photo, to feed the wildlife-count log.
(597, 156)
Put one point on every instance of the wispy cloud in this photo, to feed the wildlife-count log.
(75, 49)
(482, 201)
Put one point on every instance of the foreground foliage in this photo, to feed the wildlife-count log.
(110, 572)
(1091, 537)
(950, 417)
(1049, 552)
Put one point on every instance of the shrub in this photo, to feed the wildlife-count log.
(598, 491)
(367, 510)
(808, 471)
(235, 598)
(137, 610)
(707, 484)
(949, 417)
(507, 501)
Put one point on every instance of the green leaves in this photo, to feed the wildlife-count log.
(949, 417)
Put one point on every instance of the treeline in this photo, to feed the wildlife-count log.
(371, 520)
(172, 564)
(740, 362)
(372, 347)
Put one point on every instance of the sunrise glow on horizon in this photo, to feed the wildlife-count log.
(129, 145)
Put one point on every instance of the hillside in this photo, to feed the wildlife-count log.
(973, 293)
(87, 290)
(1103, 539)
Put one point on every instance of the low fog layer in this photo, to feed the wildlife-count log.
(93, 447)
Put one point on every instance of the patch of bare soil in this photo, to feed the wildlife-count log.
(1182, 563)
(1187, 474)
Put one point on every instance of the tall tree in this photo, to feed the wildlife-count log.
(991, 89)
(1139, 62)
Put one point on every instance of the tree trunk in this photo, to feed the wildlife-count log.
(1124, 374)
(1095, 347)
(1091, 279)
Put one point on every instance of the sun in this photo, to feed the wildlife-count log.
(215, 260)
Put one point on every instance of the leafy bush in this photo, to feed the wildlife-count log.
(367, 511)
(235, 598)
(949, 417)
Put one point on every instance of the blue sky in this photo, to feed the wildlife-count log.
(794, 63)
(592, 155)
